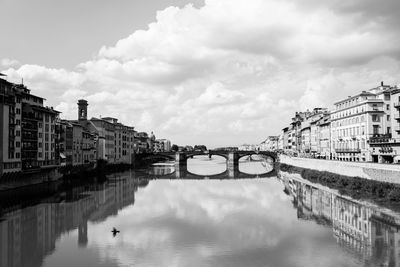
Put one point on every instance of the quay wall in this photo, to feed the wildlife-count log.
(375, 171)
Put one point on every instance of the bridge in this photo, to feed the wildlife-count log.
(232, 163)
(231, 156)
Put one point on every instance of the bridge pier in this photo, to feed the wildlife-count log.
(180, 165)
(232, 164)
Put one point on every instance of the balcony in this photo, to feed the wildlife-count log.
(32, 116)
(397, 117)
(348, 150)
(381, 138)
(386, 150)
(397, 105)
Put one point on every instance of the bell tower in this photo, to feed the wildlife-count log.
(82, 110)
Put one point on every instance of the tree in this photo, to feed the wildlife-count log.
(174, 148)
(200, 148)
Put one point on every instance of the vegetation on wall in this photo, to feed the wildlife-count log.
(354, 187)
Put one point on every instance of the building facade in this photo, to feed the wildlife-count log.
(28, 138)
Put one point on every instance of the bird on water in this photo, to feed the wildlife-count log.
(115, 231)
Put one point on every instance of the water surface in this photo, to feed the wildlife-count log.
(283, 221)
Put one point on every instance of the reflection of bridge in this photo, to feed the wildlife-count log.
(185, 174)
(232, 163)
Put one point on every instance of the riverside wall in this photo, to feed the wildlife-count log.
(374, 171)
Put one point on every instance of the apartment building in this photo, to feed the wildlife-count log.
(166, 144)
(114, 141)
(354, 120)
(124, 144)
(385, 147)
(76, 144)
(27, 130)
(324, 137)
(271, 143)
(142, 142)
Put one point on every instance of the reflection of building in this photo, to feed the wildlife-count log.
(364, 229)
(28, 235)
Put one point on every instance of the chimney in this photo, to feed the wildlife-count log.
(381, 83)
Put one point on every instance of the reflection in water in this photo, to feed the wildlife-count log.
(27, 235)
(203, 165)
(255, 164)
(370, 231)
(252, 222)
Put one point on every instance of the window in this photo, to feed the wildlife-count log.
(375, 118)
(388, 130)
(18, 144)
(388, 117)
(18, 110)
(375, 129)
(387, 107)
(18, 133)
(40, 125)
(18, 122)
(17, 155)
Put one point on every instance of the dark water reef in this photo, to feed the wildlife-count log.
(355, 187)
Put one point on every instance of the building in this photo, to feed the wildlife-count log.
(297, 136)
(385, 147)
(166, 144)
(114, 141)
(76, 144)
(162, 145)
(247, 147)
(286, 145)
(123, 141)
(142, 142)
(27, 130)
(355, 120)
(270, 144)
(324, 137)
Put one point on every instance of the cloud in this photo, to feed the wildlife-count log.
(7, 63)
(231, 71)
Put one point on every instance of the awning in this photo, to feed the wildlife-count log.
(62, 156)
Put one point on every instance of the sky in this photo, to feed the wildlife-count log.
(213, 72)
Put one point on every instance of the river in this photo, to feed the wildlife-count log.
(282, 220)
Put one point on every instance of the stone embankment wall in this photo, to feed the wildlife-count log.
(379, 172)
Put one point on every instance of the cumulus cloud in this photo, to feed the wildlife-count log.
(231, 71)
